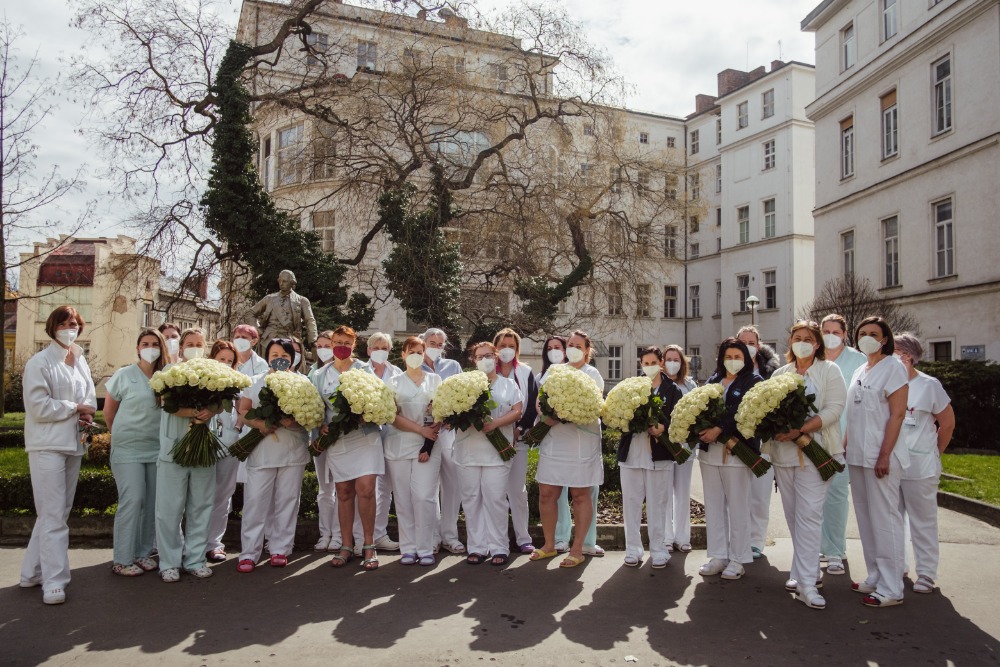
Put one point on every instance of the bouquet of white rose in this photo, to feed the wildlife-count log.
(633, 407)
(702, 408)
(779, 405)
(360, 398)
(200, 384)
(463, 401)
(284, 394)
(568, 395)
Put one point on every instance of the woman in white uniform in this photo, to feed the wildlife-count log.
(354, 461)
(274, 473)
(725, 478)
(58, 397)
(678, 512)
(227, 427)
(412, 460)
(509, 365)
(379, 347)
(483, 473)
(184, 496)
(803, 491)
(570, 456)
(765, 362)
(927, 404)
(133, 417)
(876, 407)
(645, 466)
(326, 495)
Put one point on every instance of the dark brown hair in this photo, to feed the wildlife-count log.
(888, 341)
(720, 363)
(61, 315)
(682, 373)
(160, 341)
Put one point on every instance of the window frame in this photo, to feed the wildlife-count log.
(368, 50)
(889, 19)
(644, 137)
(695, 144)
(743, 224)
(743, 115)
(770, 152)
(615, 357)
(742, 292)
(890, 252)
(767, 103)
(694, 300)
(889, 125)
(948, 226)
(670, 302)
(848, 47)
(847, 254)
(847, 148)
(616, 305)
(770, 217)
(942, 97)
(643, 300)
(770, 280)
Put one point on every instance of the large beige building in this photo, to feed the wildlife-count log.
(907, 148)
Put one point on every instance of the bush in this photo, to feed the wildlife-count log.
(12, 438)
(974, 389)
(99, 452)
(14, 391)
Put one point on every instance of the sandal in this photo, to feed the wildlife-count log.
(527, 548)
(499, 559)
(538, 554)
(147, 564)
(475, 559)
(408, 559)
(923, 584)
(127, 570)
(216, 556)
(631, 561)
(246, 565)
(340, 560)
(371, 563)
(878, 600)
(427, 561)
(572, 561)
(278, 560)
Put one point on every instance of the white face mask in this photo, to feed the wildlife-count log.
(325, 354)
(298, 358)
(487, 365)
(379, 356)
(651, 371)
(67, 336)
(734, 366)
(802, 349)
(574, 354)
(434, 353)
(832, 341)
(752, 349)
(556, 356)
(149, 354)
(173, 346)
(242, 345)
(673, 367)
(414, 360)
(869, 345)
(194, 352)
(506, 355)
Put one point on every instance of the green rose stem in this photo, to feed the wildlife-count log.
(678, 453)
(243, 448)
(825, 464)
(758, 466)
(502, 445)
(199, 448)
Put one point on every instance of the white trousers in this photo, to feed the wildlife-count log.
(803, 494)
(451, 490)
(274, 493)
(484, 497)
(655, 487)
(678, 512)
(414, 485)
(517, 495)
(53, 485)
(761, 489)
(727, 511)
(183, 495)
(880, 523)
(225, 484)
(135, 518)
(918, 503)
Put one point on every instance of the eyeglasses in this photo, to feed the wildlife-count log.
(485, 356)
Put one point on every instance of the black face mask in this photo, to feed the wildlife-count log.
(280, 364)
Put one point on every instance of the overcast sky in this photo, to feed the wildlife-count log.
(669, 50)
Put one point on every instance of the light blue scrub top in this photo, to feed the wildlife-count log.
(135, 437)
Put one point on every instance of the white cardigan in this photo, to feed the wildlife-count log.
(831, 399)
(50, 400)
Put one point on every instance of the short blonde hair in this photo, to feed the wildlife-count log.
(379, 337)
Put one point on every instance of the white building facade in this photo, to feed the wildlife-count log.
(907, 148)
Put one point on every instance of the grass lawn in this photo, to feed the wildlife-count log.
(983, 473)
(12, 420)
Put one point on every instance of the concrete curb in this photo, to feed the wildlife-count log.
(974, 508)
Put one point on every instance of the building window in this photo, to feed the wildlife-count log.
(694, 294)
(644, 137)
(638, 359)
(694, 142)
(718, 178)
(455, 64)
(317, 42)
(890, 126)
(770, 155)
(767, 103)
(324, 147)
(671, 142)
(742, 115)
(290, 155)
(367, 54)
(694, 180)
(642, 293)
(743, 223)
(847, 148)
(718, 131)
(615, 299)
(499, 80)
(941, 351)
(769, 218)
(718, 297)
(888, 19)
(670, 242)
(770, 289)
(695, 224)
(588, 130)
(942, 95)
(718, 217)
(695, 251)
(671, 186)
(743, 291)
(847, 252)
(848, 47)
(944, 241)
(324, 225)
(146, 312)
(614, 362)
(890, 241)
(670, 301)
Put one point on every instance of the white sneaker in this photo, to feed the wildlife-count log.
(323, 544)
(30, 583)
(733, 571)
(54, 596)
(171, 575)
(713, 567)
(384, 543)
(203, 572)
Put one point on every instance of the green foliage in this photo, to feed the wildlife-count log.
(424, 269)
(13, 396)
(540, 299)
(12, 438)
(983, 473)
(243, 216)
(974, 389)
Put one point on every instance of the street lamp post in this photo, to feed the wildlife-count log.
(752, 303)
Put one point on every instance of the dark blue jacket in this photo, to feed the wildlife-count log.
(737, 390)
(669, 393)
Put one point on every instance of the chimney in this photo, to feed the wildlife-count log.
(756, 74)
(731, 79)
(703, 103)
(776, 64)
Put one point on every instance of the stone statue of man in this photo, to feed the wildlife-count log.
(285, 313)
